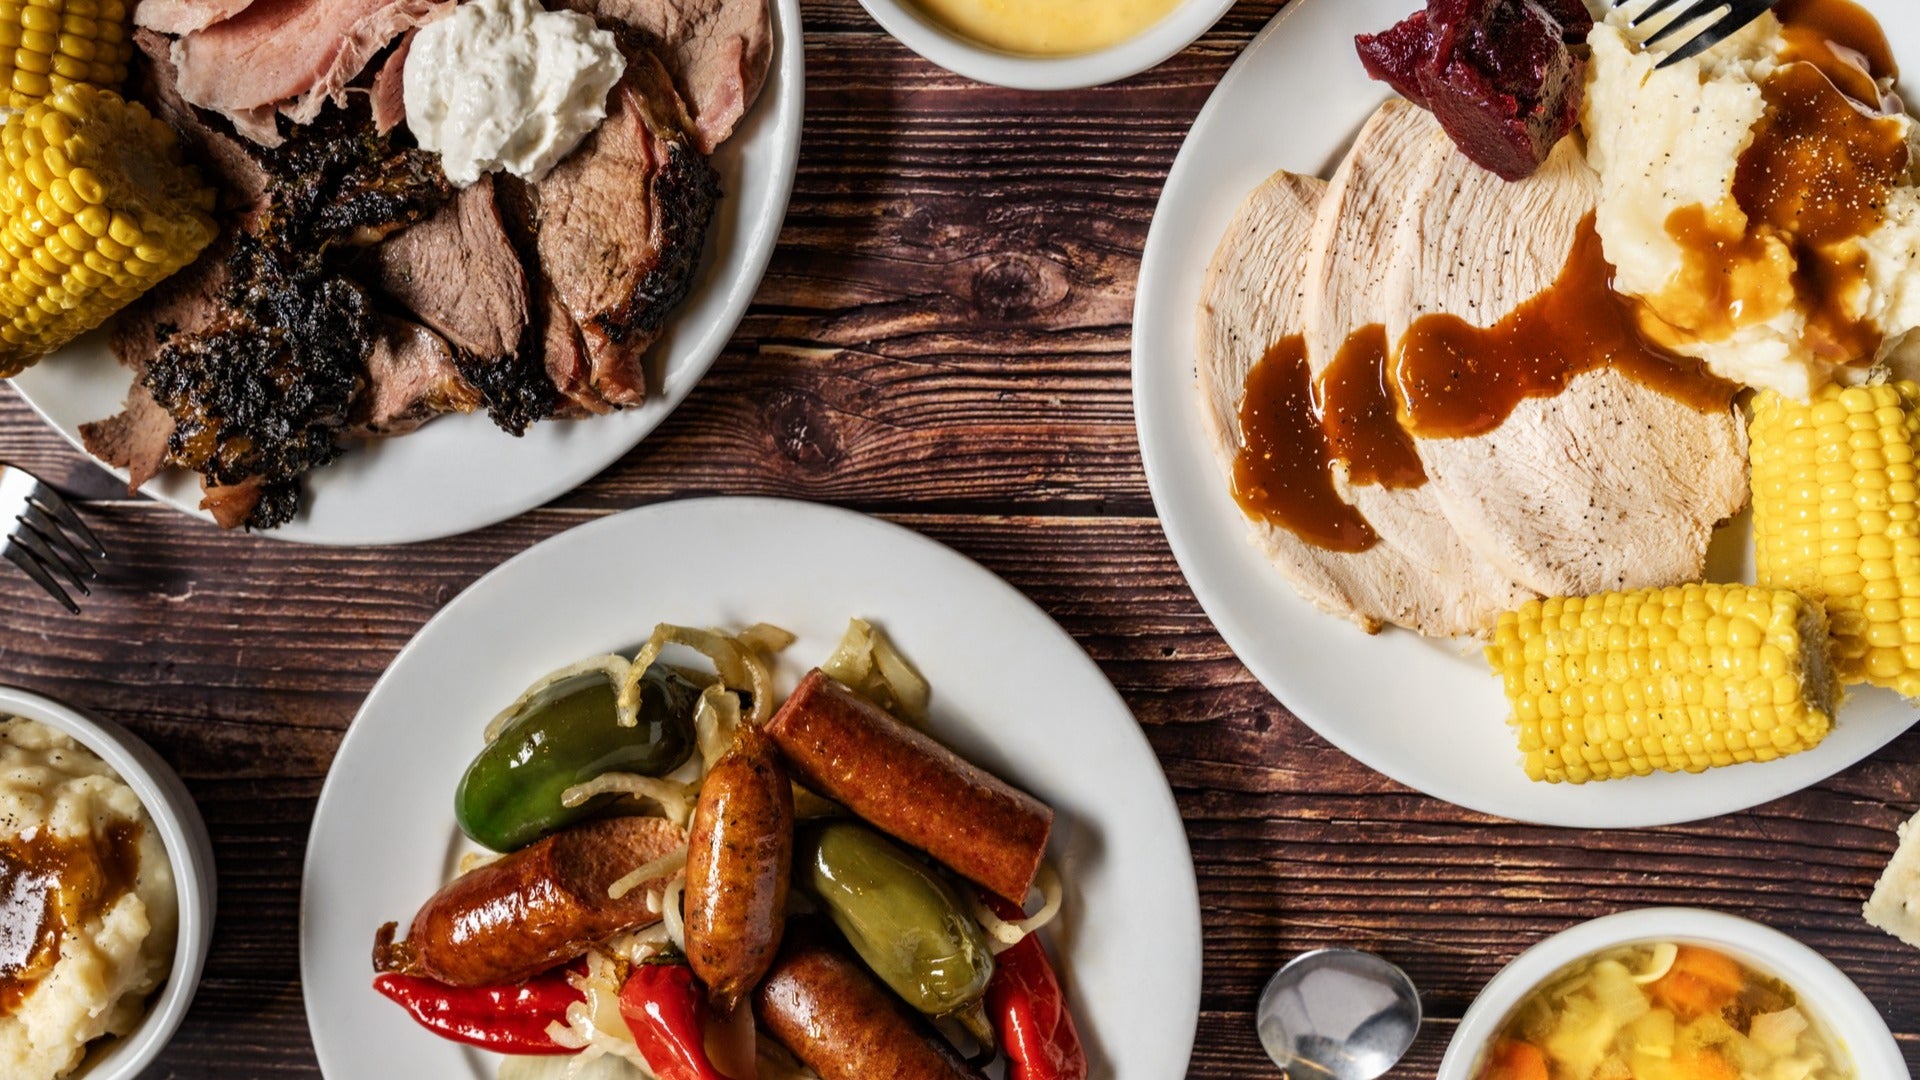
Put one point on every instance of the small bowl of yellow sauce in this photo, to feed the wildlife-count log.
(1047, 44)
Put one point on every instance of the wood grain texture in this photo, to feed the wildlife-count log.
(942, 340)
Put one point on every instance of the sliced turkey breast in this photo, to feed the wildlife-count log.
(1251, 300)
(1452, 589)
(1609, 484)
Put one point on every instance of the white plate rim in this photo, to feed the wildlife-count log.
(577, 458)
(1148, 49)
(1179, 881)
(1174, 453)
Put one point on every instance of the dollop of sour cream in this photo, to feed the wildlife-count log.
(507, 85)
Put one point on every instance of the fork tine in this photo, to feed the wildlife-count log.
(50, 500)
(25, 560)
(70, 554)
(1652, 9)
(1739, 13)
(1686, 18)
(28, 537)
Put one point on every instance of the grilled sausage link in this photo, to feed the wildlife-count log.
(841, 1023)
(534, 909)
(906, 784)
(738, 861)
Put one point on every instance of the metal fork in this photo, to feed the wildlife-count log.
(1731, 16)
(45, 538)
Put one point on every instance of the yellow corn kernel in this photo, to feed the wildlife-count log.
(46, 45)
(1744, 676)
(65, 268)
(1845, 460)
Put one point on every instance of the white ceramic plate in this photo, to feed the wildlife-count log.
(1426, 713)
(920, 32)
(1011, 691)
(461, 473)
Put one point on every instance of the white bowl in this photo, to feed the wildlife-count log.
(1827, 994)
(964, 56)
(190, 851)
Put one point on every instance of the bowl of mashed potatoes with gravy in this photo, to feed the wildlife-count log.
(106, 896)
(1047, 44)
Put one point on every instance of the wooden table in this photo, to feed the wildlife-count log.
(943, 341)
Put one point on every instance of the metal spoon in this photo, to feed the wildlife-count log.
(1338, 1014)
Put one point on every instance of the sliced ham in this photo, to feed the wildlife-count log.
(185, 16)
(390, 89)
(718, 51)
(290, 57)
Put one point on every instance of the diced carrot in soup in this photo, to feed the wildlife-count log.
(1661, 1012)
(1516, 1061)
(1701, 982)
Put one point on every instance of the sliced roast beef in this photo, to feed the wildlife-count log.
(411, 378)
(718, 51)
(230, 163)
(134, 439)
(459, 273)
(290, 56)
(185, 16)
(618, 228)
(568, 366)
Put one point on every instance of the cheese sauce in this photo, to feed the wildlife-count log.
(1047, 27)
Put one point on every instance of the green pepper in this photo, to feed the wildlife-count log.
(903, 919)
(564, 734)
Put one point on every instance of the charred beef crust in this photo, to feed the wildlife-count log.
(265, 391)
(339, 183)
(688, 190)
(517, 395)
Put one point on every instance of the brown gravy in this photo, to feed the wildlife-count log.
(1284, 470)
(1359, 414)
(1837, 36)
(1458, 380)
(50, 885)
(1815, 177)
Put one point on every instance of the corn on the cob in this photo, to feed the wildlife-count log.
(1836, 516)
(46, 45)
(1679, 679)
(96, 207)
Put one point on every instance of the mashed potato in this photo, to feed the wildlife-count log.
(81, 866)
(1668, 145)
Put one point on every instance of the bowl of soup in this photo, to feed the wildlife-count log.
(1047, 44)
(1672, 994)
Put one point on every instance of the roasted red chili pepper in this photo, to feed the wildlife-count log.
(666, 1010)
(1029, 1010)
(505, 1019)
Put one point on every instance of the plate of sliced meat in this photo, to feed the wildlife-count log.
(1401, 398)
(469, 253)
(828, 799)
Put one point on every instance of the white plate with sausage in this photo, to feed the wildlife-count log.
(1011, 692)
